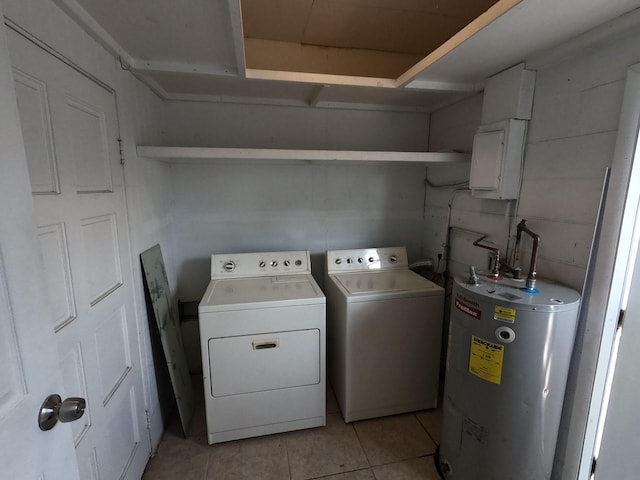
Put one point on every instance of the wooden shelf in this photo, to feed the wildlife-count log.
(204, 154)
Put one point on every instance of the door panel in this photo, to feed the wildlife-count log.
(89, 144)
(11, 389)
(100, 250)
(57, 274)
(30, 369)
(72, 371)
(84, 242)
(37, 133)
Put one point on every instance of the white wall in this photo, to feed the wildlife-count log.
(202, 124)
(231, 206)
(453, 128)
(148, 204)
(146, 182)
(570, 143)
(227, 208)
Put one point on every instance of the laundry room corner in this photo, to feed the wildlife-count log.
(327, 238)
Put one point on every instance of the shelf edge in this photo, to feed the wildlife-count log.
(204, 154)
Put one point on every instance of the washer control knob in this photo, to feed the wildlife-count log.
(298, 262)
(393, 259)
(286, 263)
(371, 259)
(349, 260)
(262, 264)
(229, 266)
(338, 261)
(360, 259)
(274, 263)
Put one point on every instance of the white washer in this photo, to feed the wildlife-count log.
(384, 328)
(262, 335)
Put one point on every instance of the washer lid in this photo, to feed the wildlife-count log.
(386, 283)
(257, 292)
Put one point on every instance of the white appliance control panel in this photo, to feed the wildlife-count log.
(366, 259)
(239, 265)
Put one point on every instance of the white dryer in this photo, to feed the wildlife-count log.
(384, 328)
(262, 334)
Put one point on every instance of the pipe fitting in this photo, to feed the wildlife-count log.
(473, 277)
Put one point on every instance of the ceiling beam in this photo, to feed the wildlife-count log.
(494, 12)
(235, 14)
(320, 78)
(317, 95)
(95, 30)
(178, 67)
(434, 86)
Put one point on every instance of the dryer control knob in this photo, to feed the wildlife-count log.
(349, 260)
(338, 261)
(371, 259)
(229, 266)
(274, 263)
(262, 264)
(286, 263)
(393, 259)
(360, 259)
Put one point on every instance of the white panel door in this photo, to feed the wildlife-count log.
(28, 354)
(619, 422)
(618, 456)
(71, 143)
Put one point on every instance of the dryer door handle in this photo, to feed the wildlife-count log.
(265, 344)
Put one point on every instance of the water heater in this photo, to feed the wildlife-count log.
(508, 358)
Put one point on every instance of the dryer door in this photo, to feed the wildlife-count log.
(256, 363)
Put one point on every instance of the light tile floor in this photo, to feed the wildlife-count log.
(399, 447)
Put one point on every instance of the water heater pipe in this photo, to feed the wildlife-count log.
(531, 277)
(495, 273)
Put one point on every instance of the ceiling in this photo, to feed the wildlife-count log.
(369, 38)
(413, 55)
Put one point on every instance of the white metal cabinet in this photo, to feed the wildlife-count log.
(496, 161)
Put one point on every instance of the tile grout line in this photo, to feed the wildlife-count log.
(209, 454)
(426, 430)
(286, 451)
(355, 430)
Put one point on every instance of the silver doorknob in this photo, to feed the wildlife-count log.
(55, 409)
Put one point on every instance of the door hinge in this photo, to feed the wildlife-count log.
(121, 151)
(620, 319)
(594, 463)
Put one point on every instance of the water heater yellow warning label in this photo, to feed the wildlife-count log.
(485, 359)
(504, 314)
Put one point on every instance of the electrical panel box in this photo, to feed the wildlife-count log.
(509, 94)
(496, 160)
